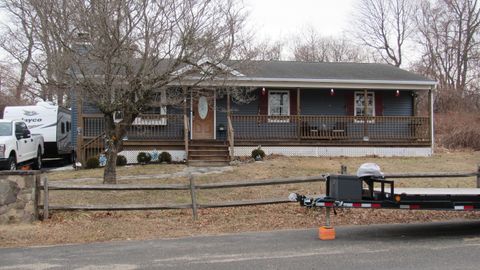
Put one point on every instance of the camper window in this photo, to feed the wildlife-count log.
(68, 126)
(62, 127)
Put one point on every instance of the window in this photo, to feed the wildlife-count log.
(156, 114)
(278, 105)
(19, 129)
(62, 127)
(69, 126)
(360, 104)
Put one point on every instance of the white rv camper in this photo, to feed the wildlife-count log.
(51, 121)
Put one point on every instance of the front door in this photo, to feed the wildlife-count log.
(203, 118)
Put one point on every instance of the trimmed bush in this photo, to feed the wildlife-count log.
(92, 163)
(258, 152)
(165, 157)
(144, 158)
(121, 160)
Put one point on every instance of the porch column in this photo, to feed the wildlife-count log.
(414, 103)
(185, 123)
(230, 131)
(228, 104)
(80, 129)
(430, 110)
(299, 128)
(365, 107)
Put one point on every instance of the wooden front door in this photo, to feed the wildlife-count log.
(203, 118)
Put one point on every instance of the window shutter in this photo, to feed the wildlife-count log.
(293, 102)
(263, 103)
(349, 103)
(378, 104)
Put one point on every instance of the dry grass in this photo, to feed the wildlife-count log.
(104, 226)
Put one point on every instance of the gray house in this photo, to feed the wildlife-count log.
(289, 108)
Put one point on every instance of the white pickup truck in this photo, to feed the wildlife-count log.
(18, 146)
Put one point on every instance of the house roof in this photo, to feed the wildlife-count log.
(320, 75)
(295, 74)
(333, 71)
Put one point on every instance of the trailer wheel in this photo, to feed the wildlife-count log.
(37, 164)
(12, 163)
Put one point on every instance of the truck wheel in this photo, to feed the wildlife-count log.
(37, 164)
(12, 163)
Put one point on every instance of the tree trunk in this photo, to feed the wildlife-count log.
(110, 172)
(114, 134)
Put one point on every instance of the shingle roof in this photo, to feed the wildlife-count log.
(328, 71)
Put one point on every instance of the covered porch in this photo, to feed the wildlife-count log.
(288, 112)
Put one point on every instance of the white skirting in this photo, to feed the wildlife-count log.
(323, 151)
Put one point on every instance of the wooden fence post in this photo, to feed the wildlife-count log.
(38, 180)
(194, 197)
(343, 169)
(45, 198)
(478, 176)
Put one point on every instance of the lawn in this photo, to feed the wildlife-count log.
(73, 227)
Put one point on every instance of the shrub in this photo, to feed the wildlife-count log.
(92, 163)
(165, 157)
(121, 160)
(258, 152)
(457, 130)
(144, 157)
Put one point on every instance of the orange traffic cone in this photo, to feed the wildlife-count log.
(326, 233)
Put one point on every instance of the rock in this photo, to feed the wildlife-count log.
(19, 204)
(4, 219)
(8, 192)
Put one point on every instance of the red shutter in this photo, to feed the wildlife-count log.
(378, 104)
(293, 102)
(349, 103)
(263, 103)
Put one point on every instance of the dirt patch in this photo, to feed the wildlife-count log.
(77, 227)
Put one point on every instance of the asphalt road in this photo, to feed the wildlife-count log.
(452, 245)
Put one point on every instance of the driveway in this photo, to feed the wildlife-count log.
(450, 245)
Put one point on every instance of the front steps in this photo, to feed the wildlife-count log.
(208, 153)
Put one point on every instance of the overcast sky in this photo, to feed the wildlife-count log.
(279, 19)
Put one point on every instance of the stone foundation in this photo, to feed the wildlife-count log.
(19, 196)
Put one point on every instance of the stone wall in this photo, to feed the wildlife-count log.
(19, 196)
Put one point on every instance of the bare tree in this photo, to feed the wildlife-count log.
(51, 67)
(310, 46)
(129, 50)
(449, 32)
(18, 39)
(41, 56)
(386, 25)
(267, 50)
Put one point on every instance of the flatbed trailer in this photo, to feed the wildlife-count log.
(344, 191)
(371, 189)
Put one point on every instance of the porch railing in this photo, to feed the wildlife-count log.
(317, 127)
(145, 127)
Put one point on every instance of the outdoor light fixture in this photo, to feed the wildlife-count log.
(264, 91)
(397, 93)
(332, 92)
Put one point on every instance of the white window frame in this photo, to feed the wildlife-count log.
(118, 116)
(286, 118)
(355, 106)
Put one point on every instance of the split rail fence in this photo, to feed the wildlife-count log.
(192, 187)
